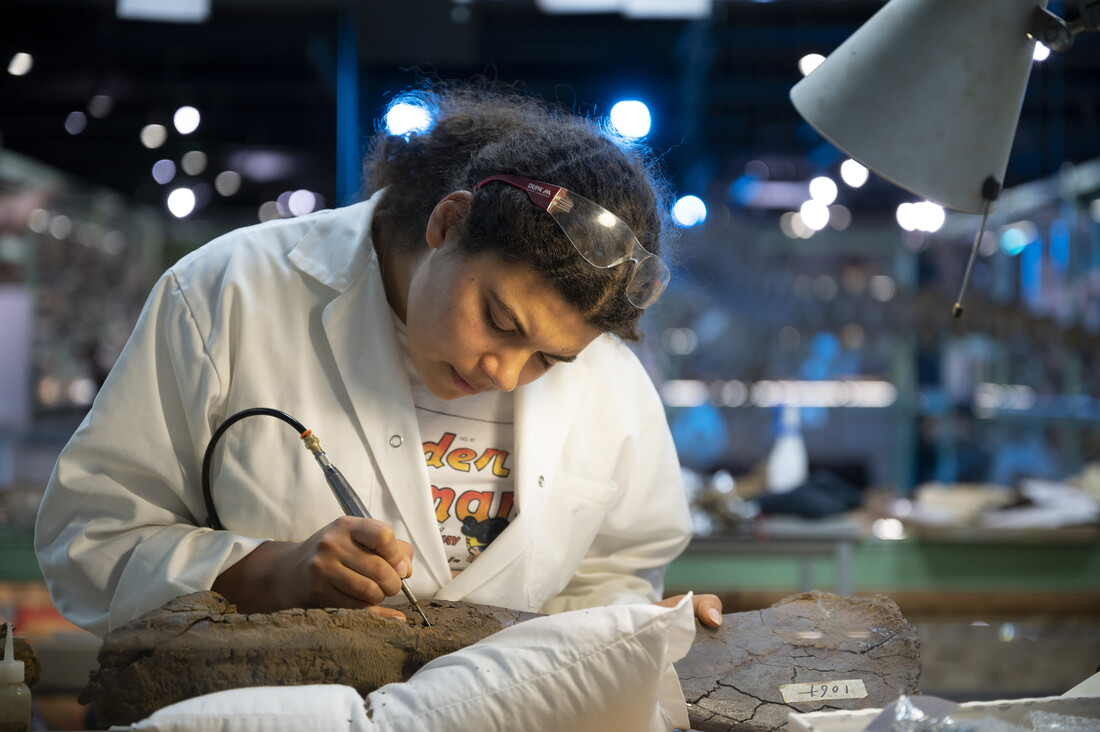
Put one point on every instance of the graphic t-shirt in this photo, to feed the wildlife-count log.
(467, 446)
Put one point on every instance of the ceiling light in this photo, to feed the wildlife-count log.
(404, 118)
(181, 202)
(186, 120)
(164, 171)
(153, 136)
(164, 11)
(100, 106)
(193, 162)
(823, 190)
(20, 64)
(853, 173)
(75, 123)
(227, 182)
(809, 62)
(689, 211)
(631, 118)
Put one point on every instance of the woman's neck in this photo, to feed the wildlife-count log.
(397, 260)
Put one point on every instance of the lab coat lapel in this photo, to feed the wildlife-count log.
(544, 411)
(360, 334)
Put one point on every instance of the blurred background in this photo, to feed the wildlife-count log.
(950, 464)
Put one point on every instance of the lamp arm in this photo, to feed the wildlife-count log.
(1090, 17)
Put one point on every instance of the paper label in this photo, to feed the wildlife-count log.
(823, 690)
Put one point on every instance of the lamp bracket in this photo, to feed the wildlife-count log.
(1057, 35)
(991, 188)
(1050, 30)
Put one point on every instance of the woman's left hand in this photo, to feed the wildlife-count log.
(708, 608)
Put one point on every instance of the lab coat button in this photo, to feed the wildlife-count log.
(396, 441)
(542, 481)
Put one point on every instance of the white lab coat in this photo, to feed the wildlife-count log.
(292, 315)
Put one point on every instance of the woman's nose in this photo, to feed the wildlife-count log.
(504, 368)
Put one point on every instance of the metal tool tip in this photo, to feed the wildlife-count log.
(423, 616)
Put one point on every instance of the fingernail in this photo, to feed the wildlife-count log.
(715, 616)
(402, 569)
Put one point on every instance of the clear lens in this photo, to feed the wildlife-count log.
(650, 278)
(601, 237)
(605, 240)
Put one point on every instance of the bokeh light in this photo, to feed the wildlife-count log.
(853, 173)
(823, 190)
(809, 62)
(631, 118)
(227, 182)
(689, 211)
(164, 171)
(301, 202)
(815, 214)
(75, 123)
(153, 136)
(181, 202)
(404, 118)
(20, 64)
(186, 120)
(100, 106)
(193, 162)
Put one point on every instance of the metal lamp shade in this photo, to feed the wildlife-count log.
(927, 94)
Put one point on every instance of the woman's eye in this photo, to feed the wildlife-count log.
(492, 322)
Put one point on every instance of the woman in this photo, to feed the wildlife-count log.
(457, 350)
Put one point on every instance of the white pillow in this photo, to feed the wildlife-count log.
(318, 708)
(601, 669)
(598, 670)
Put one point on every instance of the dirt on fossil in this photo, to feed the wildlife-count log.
(747, 675)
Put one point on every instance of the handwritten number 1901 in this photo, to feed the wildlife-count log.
(823, 690)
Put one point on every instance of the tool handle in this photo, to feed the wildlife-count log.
(345, 494)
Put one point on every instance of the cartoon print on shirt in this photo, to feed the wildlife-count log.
(479, 534)
(472, 516)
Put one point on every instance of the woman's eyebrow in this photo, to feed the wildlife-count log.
(511, 315)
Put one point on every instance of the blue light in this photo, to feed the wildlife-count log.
(1031, 272)
(745, 189)
(1059, 245)
(404, 118)
(689, 211)
(631, 119)
(1013, 241)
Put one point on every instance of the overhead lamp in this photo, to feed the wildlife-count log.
(164, 11)
(658, 9)
(927, 94)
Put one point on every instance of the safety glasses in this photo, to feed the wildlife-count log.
(601, 237)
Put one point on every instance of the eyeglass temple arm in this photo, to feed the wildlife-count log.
(542, 194)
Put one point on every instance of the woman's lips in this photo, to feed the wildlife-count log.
(462, 384)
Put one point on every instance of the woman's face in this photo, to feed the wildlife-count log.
(477, 323)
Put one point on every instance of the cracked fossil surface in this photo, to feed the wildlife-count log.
(807, 652)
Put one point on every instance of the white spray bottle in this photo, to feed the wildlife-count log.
(15, 696)
(788, 464)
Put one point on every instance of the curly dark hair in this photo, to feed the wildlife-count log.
(478, 130)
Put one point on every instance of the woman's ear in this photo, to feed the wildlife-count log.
(446, 214)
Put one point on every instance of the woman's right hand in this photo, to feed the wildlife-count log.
(351, 562)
